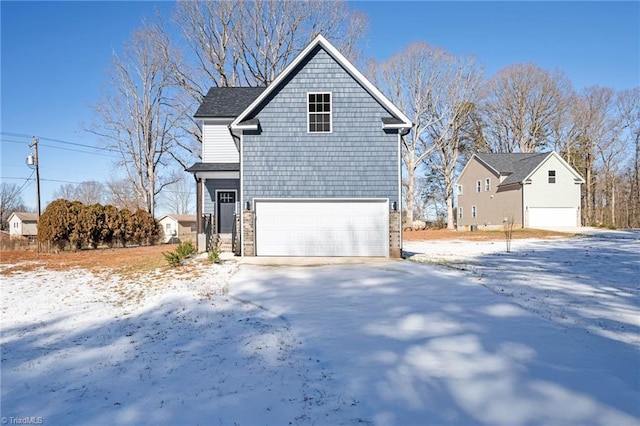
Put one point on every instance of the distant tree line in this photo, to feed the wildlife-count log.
(73, 225)
(162, 75)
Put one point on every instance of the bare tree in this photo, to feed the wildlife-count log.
(121, 194)
(434, 88)
(87, 192)
(520, 107)
(596, 145)
(10, 201)
(249, 42)
(628, 102)
(453, 101)
(138, 114)
(180, 197)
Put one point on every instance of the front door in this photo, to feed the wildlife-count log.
(226, 208)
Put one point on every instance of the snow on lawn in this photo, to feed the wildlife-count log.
(161, 349)
(592, 282)
(547, 334)
(425, 344)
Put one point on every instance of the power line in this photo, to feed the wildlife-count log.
(23, 135)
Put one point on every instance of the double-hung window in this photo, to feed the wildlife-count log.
(459, 212)
(319, 112)
(487, 184)
(478, 186)
(474, 211)
(552, 176)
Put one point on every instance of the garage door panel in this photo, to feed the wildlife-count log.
(552, 217)
(322, 228)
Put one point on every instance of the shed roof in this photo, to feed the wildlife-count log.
(181, 217)
(214, 167)
(227, 102)
(26, 217)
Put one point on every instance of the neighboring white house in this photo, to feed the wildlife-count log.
(178, 227)
(23, 225)
(537, 190)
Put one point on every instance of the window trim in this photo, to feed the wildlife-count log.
(478, 186)
(487, 184)
(551, 178)
(459, 189)
(474, 212)
(330, 112)
(460, 215)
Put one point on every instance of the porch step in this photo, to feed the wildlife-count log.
(225, 243)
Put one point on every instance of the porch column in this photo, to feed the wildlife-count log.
(199, 221)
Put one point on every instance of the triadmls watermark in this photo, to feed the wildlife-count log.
(26, 420)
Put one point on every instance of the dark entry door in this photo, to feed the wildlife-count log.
(226, 208)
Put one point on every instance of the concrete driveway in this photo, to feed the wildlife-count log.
(417, 344)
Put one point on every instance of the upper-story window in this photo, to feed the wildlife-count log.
(487, 184)
(459, 189)
(478, 186)
(552, 176)
(459, 212)
(319, 112)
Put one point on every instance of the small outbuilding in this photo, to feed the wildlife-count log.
(178, 227)
(23, 225)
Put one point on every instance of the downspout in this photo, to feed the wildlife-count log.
(402, 132)
(524, 214)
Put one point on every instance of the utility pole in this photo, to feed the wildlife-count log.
(34, 144)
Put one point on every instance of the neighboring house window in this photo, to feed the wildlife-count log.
(478, 186)
(168, 227)
(474, 211)
(319, 112)
(487, 184)
(552, 176)
(459, 189)
(459, 212)
(15, 225)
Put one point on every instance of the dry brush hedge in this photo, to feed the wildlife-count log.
(73, 225)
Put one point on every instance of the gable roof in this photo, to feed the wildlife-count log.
(227, 102)
(25, 217)
(181, 217)
(518, 167)
(402, 120)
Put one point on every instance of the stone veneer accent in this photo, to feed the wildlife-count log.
(395, 247)
(248, 232)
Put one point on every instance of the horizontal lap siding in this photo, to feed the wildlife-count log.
(358, 159)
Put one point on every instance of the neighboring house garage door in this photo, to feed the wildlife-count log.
(552, 217)
(322, 227)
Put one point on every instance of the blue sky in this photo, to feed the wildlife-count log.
(53, 57)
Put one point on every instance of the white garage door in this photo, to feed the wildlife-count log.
(322, 227)
(545, 217)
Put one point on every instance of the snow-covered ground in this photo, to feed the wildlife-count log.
(547, 334)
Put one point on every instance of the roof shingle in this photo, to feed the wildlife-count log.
(516, 165)
(227, 102)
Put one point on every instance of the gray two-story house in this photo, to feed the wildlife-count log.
(308, 166)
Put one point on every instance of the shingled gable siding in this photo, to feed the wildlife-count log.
(357, 160)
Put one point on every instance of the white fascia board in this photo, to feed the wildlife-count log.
(320, 40)
(243, 127)
(394, 126)
(218, 175)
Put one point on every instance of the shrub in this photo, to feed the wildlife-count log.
(214, 252)
(184, 250)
